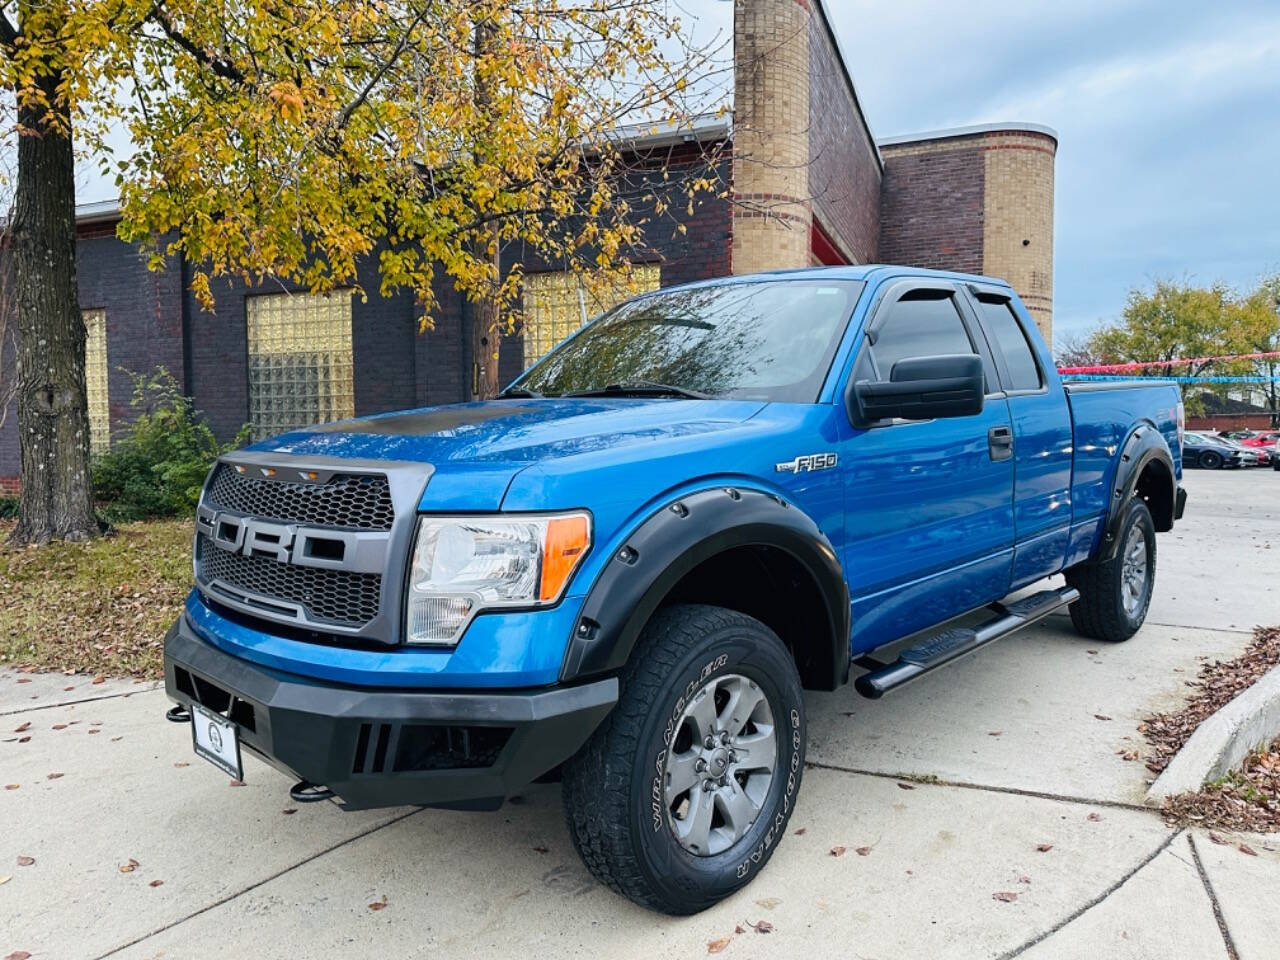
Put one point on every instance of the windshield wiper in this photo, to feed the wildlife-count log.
(640, 388)
(521, 392)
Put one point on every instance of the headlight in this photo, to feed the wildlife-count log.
(462, 565)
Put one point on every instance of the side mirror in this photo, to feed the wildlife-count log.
(921, 388)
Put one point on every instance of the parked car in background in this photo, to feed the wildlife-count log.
(1249, 456)
(1210, 452)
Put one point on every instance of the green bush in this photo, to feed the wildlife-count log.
(8, 508)
(158, 464)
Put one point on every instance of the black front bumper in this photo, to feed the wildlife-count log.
(382, 748)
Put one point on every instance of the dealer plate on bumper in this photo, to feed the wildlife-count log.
(217, 740)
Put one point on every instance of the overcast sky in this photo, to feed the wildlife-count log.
(1167, 111)
(1168, 117)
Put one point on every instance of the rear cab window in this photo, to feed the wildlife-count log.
(1008, 337)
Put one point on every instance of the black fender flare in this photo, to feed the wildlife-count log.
(1143, 446)
(674, 540)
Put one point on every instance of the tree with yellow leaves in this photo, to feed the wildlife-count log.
(290, 140)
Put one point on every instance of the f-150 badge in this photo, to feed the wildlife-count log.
(807, 463)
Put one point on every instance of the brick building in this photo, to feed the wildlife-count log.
(808, 183)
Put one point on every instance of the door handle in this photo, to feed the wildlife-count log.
(1000, 443)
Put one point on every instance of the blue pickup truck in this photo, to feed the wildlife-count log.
(624, 572)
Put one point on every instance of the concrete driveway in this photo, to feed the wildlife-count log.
(1001, 775)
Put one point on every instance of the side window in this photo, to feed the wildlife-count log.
(1009, 339)
(923, 323)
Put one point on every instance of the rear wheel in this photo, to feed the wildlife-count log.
(1115, 594)
(682, 794)
(1210, 460)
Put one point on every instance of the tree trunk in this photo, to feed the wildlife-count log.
(53, 415)
(486, 334)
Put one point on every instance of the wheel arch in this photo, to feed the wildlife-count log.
(1144, 469)
(743, 549)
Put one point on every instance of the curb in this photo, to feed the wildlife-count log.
(1221, 743)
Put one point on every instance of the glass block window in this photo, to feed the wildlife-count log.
(300, 366)
(558, 303)
(95, 380)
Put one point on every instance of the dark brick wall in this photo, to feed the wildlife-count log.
(844, 172)
(384, 331)
(144, 326)
(931, 206)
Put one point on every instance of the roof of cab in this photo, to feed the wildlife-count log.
(865, 272)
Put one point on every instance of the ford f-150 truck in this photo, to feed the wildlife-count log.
(625, 571)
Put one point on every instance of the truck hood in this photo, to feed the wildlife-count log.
(477, 448)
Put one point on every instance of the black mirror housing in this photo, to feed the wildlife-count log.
(921, 388)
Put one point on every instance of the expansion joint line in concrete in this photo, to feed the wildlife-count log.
(1076, 915)
(1227, 942)
(917, 780)
(254, 886)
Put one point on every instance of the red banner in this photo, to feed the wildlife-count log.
(1176, 362)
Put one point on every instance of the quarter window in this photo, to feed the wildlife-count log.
(557, 304)
(997, 316)
(95, 380)
(300, 365)
(924, 323)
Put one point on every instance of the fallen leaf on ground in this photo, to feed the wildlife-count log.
(1024, 879)
(129, 867)
(739, 929)
(1095, 817)
(236, 783)
(9, 876)
(1091, 652)
(24, 861)
(98, 680)
(837, 851)
(93, 730)
(905, 786)
(1244, 848)
(379, 904)
(68, 689)
(1101, 716)
(1005, 896)
(540, 849)
(863, 851)
(156, 883)
(11, 786)
(116, 739)
(59, 726)
(18, 955)
(716, 946)
(802, 831)
(761, 926)
(55, 776)
(1044, 847)
(24, 739)
(289, 811)
(1217, 837)
(22, 726)
(181, 763)
(995, 733)
(770, 902)
(24, 679)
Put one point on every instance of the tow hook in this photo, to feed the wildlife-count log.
(178, 714)
(305, 791)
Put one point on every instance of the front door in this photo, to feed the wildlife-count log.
(929, 504)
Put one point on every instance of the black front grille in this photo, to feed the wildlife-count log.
(328, 596)
(353, 501)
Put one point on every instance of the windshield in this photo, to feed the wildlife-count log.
(760, 340)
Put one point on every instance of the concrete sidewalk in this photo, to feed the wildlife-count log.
(950, 788)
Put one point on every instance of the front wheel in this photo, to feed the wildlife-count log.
(1210, 460)
(1115, 594)
(681, 796)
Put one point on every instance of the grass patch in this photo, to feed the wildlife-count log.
(1247, 799)
(100, 607)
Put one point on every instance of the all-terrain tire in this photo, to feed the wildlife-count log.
(615, 787)
(1102, 612)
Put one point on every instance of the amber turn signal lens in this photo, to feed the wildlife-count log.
(567, 541)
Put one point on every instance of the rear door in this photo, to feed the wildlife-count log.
(1042, 435)
(929, 504)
